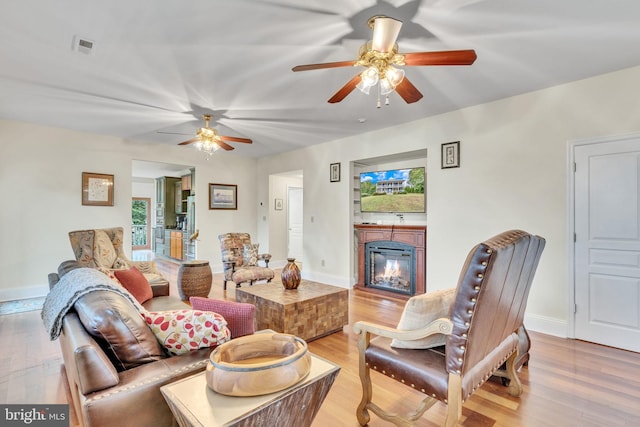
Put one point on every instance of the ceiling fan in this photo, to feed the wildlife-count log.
(380, 58)
(209, 141)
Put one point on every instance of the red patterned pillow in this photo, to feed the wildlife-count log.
(135, 282)
(181, 331)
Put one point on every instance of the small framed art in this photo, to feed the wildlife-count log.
(334, 172)
(278, 204)
(97, 189)
(223, 196)
(450, 155)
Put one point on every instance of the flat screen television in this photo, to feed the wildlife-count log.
(393, 191)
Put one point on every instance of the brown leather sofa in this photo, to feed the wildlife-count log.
(105, 392)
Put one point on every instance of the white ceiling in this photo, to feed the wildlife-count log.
(158, 65)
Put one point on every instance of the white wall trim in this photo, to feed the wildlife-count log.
(342, 282)
(12, 294)
(546, 325)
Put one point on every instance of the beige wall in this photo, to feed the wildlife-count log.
(513, 174)
(40, 184)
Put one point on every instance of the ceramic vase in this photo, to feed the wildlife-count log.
(291, 274)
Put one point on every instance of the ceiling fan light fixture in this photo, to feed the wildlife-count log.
(209, 141)
(363, 88)
(394, 76)
(207, 146)
(385, 87)
(370, 78)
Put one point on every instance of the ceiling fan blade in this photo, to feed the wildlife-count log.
(224, 146)
(445, 57)
(408, 91)
(191, 141)
(324, 65)
(235, 139)
(385, 33)
(346, 89)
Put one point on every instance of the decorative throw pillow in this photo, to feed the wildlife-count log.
(118, 328)
(135, 282)
(104, 253)
(181, 331)
(240, 316)
(250, 254)
(110, 274)
(421, 310)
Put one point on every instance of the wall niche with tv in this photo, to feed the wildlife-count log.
(390, 189)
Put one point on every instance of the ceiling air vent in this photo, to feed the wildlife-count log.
(83, 45)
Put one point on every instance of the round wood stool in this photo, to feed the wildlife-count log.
(194, 279)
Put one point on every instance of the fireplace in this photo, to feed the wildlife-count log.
(391, 259)
(390, 266)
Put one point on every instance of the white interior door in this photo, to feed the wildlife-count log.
(294, 226)
(607, 248)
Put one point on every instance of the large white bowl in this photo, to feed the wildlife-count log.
(258, 364)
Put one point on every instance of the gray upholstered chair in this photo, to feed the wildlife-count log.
(475, 335)
(240, 260)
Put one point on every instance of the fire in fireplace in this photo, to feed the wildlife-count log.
(390, 266)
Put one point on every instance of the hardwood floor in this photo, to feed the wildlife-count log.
(567, 383)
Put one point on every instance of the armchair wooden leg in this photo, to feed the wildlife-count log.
(365, 379)
(454, 401)
(515, 386)
(224, 285)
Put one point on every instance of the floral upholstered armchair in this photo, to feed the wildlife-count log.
(240, 260)
(102, 249)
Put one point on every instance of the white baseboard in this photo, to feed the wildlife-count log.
(546, 325)
(13, 294)
(339, 281)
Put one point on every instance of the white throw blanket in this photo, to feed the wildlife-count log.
(69, 289)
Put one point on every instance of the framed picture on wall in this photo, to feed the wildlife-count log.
(223, 196)
(450, 155)
(278, 204)
(97, 189)
(334, 172)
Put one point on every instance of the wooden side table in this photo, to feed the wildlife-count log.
(194, 279)
(194, 404)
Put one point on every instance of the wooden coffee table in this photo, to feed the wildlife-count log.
(311, 311)
(194, 404)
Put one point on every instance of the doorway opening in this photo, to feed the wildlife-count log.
(295, 220)
(286, 209)
(140, 223)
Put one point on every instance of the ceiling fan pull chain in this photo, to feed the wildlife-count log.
(386, 101)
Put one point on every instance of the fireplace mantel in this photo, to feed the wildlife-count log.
(414, 235)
